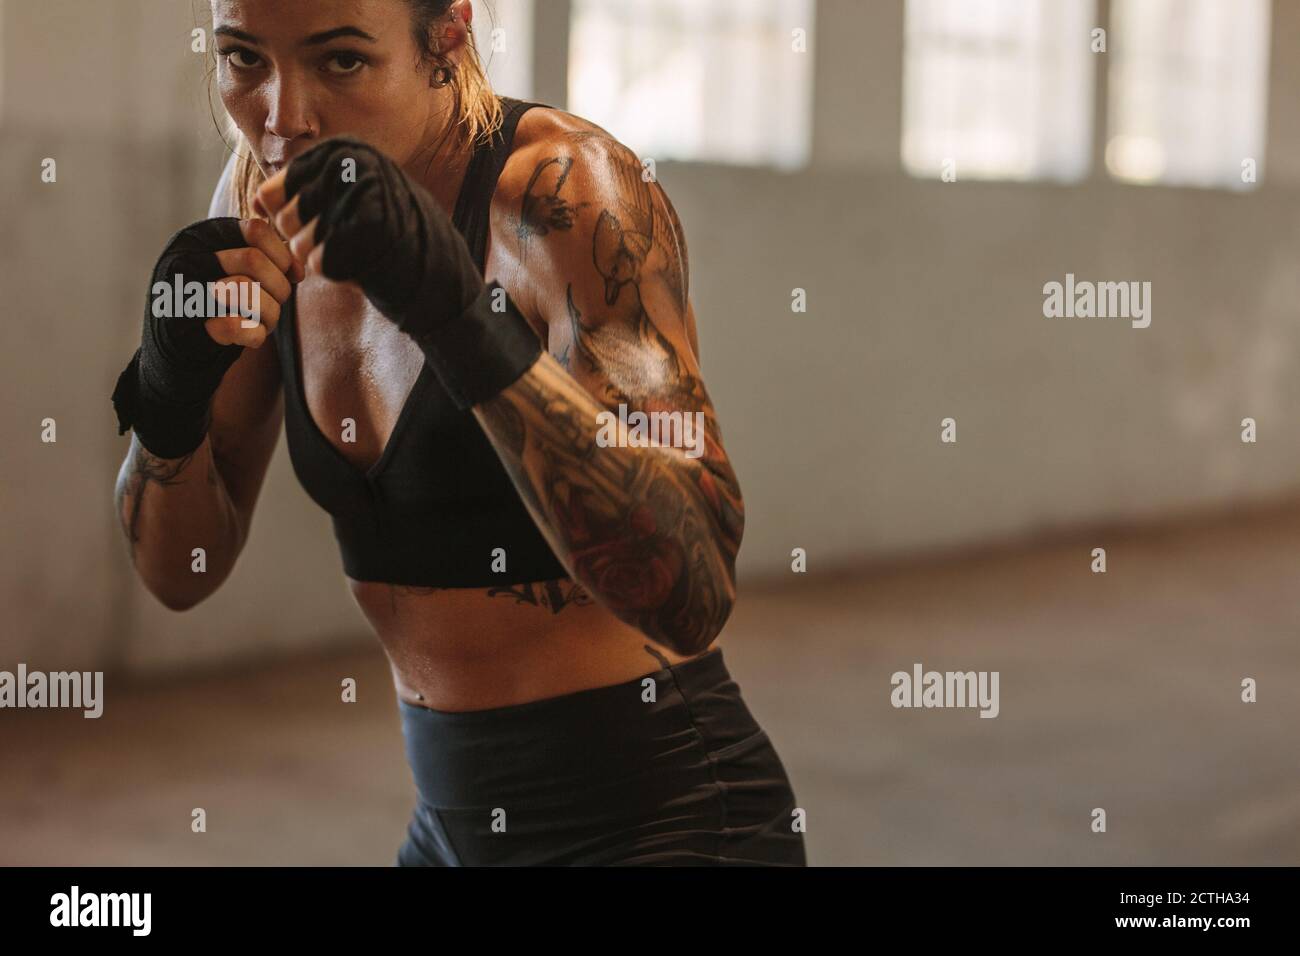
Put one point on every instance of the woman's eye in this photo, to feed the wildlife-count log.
(343, 64)
(239, 57)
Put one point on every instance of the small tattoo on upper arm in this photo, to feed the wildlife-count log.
(543, 209)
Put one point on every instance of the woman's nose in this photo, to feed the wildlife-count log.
(289, 115)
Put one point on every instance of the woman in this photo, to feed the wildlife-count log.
(548, 601)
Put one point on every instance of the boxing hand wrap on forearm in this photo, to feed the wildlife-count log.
(385, 232)
(481, 352)
(165, 392)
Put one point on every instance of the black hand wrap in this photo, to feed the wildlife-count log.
(386, 233)
(165, 393)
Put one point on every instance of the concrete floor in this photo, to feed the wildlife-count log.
(1119, 691)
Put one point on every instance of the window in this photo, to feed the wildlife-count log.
(998, 89)
(505, 45)
(1188, 90)
(716, 80)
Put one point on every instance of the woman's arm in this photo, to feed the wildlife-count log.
(651, 532)
(167, 507)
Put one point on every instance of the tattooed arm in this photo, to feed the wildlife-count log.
(169, 507)
(651, 532)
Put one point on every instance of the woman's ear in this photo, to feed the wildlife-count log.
(464, 11)
(451, 31)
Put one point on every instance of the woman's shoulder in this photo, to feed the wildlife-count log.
(550, 136)
(588, 198)
(550, 125)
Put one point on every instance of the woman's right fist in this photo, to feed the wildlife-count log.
(190, 339)
(246, 273)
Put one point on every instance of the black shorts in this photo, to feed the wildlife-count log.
(668, 769)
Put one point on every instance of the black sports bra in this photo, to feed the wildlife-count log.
(437, 505)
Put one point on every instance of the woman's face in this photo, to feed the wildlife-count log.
(294, 72)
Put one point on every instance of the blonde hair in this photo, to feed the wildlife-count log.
(477, 110)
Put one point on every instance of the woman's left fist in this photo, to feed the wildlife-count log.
(353, 215)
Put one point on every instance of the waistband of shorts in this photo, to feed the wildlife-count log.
(691, 676)
(553, 748)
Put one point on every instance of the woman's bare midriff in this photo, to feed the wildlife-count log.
(458, 649)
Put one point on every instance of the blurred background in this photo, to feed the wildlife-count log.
(919, 170)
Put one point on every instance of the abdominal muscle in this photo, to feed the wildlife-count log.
(458, 649)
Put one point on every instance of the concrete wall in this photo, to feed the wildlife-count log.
(115, 95)
(924, 302)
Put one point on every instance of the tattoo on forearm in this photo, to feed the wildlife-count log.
(636, 528)
(624, 348)
(145, 469)
(652, 534)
